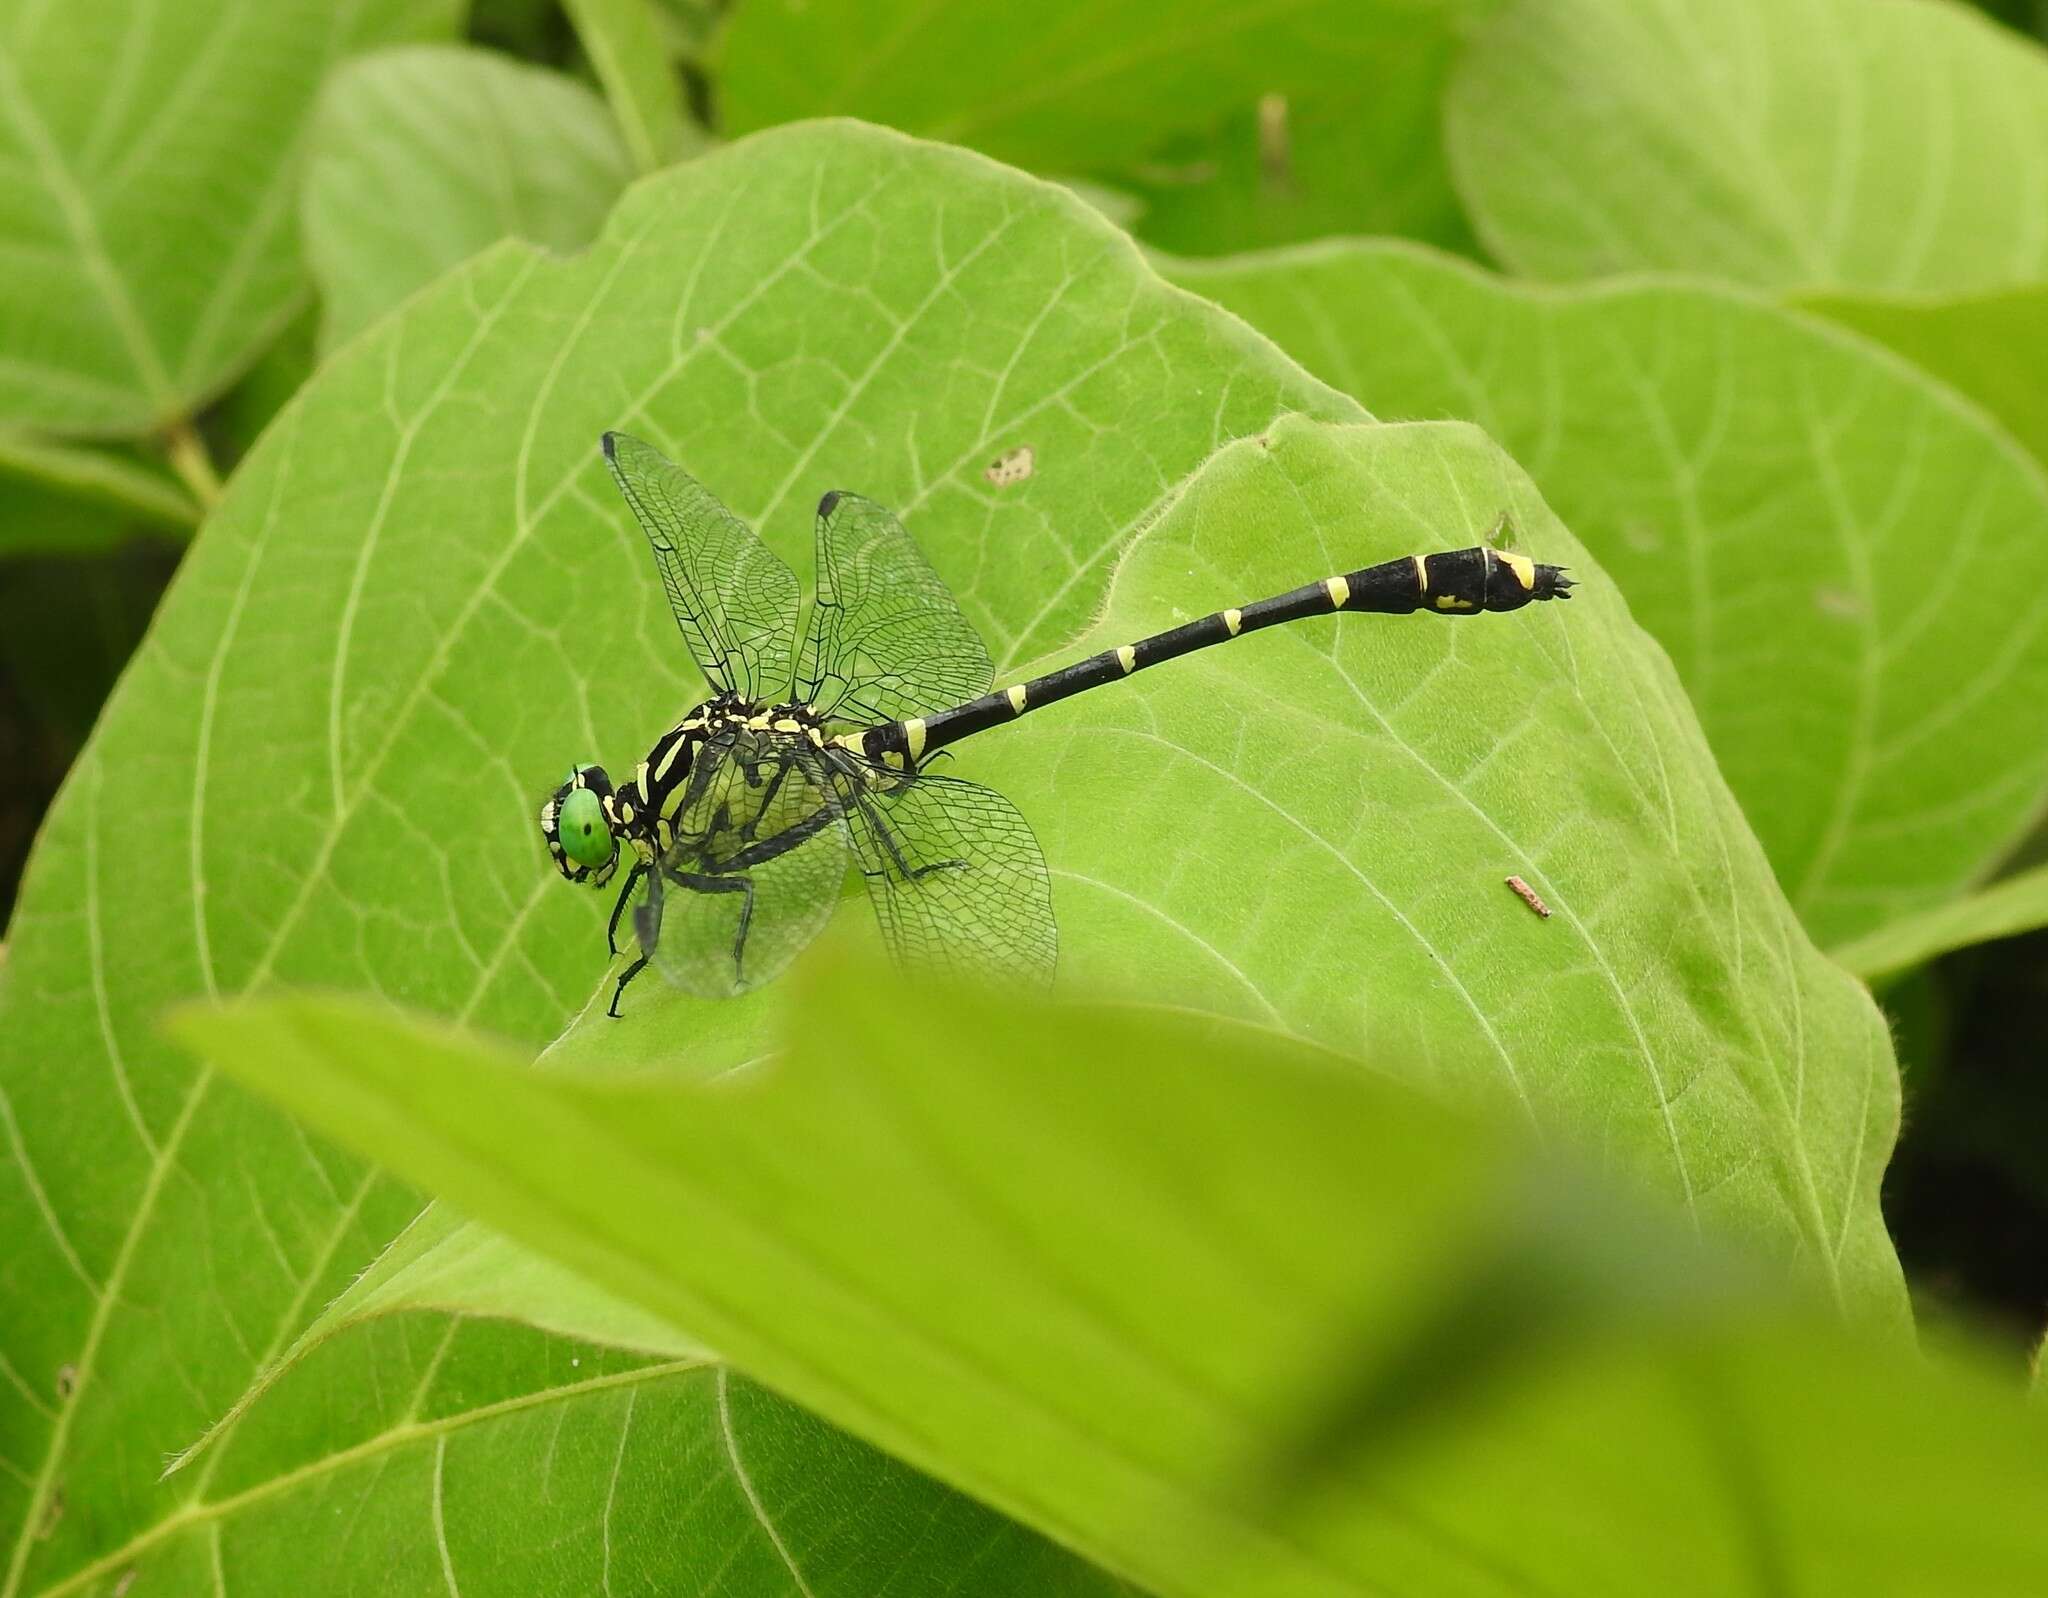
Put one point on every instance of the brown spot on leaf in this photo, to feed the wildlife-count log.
(1012, 466)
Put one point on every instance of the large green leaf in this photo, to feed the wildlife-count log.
(1229, 1314)
(151, 160)
(418, 599)
(422, 157)
(1310, 830)
(1832, 144)
(1808, 526)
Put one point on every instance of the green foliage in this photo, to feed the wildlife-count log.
(68, 498)
(1225, 1275)
(1294, 168)
(1045, 1255)
(120, 122)
(1803, 522)
(1824, 144)
(1466, 991)
(1158, 98)
(1988, 346)
(2018, 904)
(623, 41)
(430, 522)
(421, 157)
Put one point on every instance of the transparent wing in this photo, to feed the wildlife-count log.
(886, 641)
(735, 602)
(956, 879)
(759, 857)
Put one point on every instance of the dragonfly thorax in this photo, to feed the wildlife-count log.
(675, 792)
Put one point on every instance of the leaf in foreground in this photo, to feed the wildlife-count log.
(1045, 1256)
(121, 123)
(418, 599)
(1828, 144)
(1803, 522)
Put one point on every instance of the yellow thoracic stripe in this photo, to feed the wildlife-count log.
(913, 736)
(1338, 589)
(1421, 572)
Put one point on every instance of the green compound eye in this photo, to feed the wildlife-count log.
(581, 826)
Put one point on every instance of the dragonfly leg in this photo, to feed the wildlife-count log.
(782, 842)
(611, 933)
(646, 927)
(625, 976)
(753, 827)
(698, 882)
(885, 836)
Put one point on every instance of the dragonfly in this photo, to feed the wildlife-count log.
(814, 754)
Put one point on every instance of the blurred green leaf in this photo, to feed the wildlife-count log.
(418, 594)
(422, 157)
(1804, 523)
(1367, 158)
(1992, 347)
(691, 26)
(1044, 1255)
(624, 43)
(1823, 144)
(534, 30)
(58, 498)
(148, 219)
(2004, 909)
(1083, 88)
(278, 373)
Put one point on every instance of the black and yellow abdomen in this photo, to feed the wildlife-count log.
(1456, 582)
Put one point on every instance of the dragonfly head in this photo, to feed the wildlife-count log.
(574, 827)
